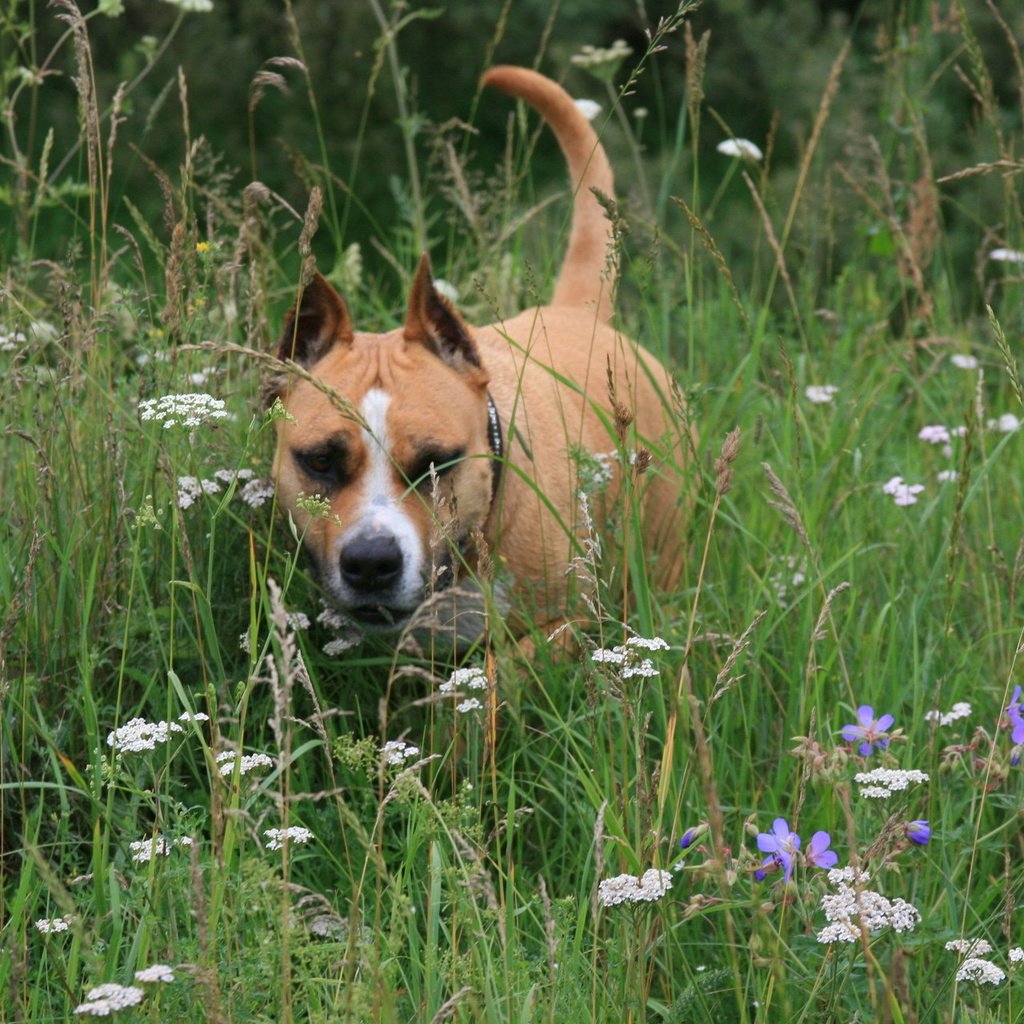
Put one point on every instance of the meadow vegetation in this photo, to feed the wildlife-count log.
(790, 791)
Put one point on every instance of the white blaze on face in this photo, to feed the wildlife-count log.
(380, 510)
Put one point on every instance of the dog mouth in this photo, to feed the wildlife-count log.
(378, 618)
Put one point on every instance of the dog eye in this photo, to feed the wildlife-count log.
(321, 464)
(442, 461)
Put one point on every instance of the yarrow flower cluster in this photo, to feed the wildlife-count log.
(1006, 256)
(398, 752)
(144, 850)
(190, 410)
(851, 909)
(742, 149)
(974, 967)
(783, 848)
(10, 340)
(871, 733)
(588, 108)
(629, 662)
(649, 887)
(602, 62)
(472, 678)
(902, 493)
(959, 710)
(104, 1000)
(156, 973)
(53, 925)
(881, 783)
(192, 7)
(964, 361)
(227, 759)
(980, 971)
(254, 491)
(137, 734)
(277, 837)
(821, 394)
(969, 947)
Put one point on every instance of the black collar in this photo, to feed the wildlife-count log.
(497, 443)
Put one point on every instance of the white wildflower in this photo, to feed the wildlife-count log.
(151, 975)
(820, 394)
(984, 972)
(969, 947)
(1006, 424)
(643, 669)
(339, 645)
(137, 735)
(469, 704)
(9, 341)
(654, 883)
(227, 759)
(472, 678)
(902, 493)
(52, 925)
(602, 62)
(1016, 955)
(849, 909)
(104, 1000)
(934, 435)
(741, 148)
(1006, 256)
(398, 752)
(962, 361)
(229, 476)
(277, 837)
(655, 643)
(651, 886)
(946, 476)
(190, 410)
(193, 716)
(143, 850)
(876, 792)
(849, 875)
(959, 710)
(588, 108)
(609, 655)
(883, 782)
(257, 492)
(192, 6)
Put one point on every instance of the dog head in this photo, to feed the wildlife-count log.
(392, 430)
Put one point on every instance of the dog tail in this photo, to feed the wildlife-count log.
(587, 275)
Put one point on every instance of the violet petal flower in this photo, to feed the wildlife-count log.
(872, 732)
(818, 853)
(918, 832)
(782, 844)
(1015, 714)
(691, 835)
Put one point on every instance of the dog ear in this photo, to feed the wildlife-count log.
(430, 321)
(318, 322)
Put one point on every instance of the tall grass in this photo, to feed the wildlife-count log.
(460, 880)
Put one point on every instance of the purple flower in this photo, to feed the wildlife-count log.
(691, 835)
(918, 832)
(782, 845)
(818, 853)
(872, 732)
(1016, 716)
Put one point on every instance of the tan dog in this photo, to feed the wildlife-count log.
(437, 444)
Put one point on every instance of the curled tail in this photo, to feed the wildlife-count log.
(583, 279)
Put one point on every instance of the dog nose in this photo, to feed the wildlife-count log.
(371, 562)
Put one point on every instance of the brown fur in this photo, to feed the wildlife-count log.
(547, 372)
